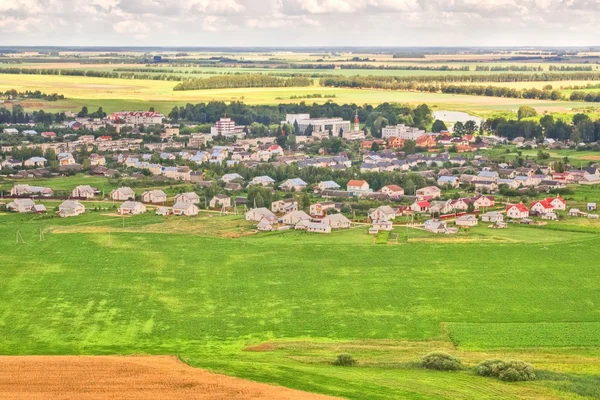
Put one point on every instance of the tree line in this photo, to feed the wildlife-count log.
(242, 81)
(36, 94)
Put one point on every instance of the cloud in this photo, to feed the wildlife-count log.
(300, 22)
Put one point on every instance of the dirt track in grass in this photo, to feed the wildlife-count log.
(126, 378)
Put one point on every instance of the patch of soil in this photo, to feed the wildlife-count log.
(263, 347)
(126, 378)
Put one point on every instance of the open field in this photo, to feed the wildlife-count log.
(199, 289)
(127, 378)
(122, 94)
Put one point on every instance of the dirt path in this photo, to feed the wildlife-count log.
(126, 378)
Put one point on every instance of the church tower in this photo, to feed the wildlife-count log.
(356, 123)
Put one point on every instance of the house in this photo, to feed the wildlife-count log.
(35, 162)
(284, 206)
(21, 206)
(71, 208)
(10, 131)
(429, 192)
(163, 211)
(337, 221)
(132, 208)
(190, 197)
(483, 201)
(11, 163)
(357, 187)
(185, 209)
(26, 190)
(96, 160)
(420, 206)
(517, 211)
(154, 197)
(233, 187)
(328, 185)
(262, 180)
(467, 220)
(220, 201)
(591, 206)
(486, 185)
(66, 159)
(317, 227)
(319, 210)
(451, 181)
(84, 192)
(265, 225)
(558, 203)
(383, 213)
(48, 135)
(257, 214)
(232, 177)
(436, 226)
(382, 226)
(541, 207)
(293, 185)
(575, 212)
(550, 216)
(122, 194)
(292, 218)
(393, 191)
(590, 180)
(492, 216)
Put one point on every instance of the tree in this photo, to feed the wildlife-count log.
(309, 130)
(296, 127)
(344, 360)
(526, 112)
(470, 127)
(459, 129)
(438, 126)
(509, 371)
(83, 113)
(441, 361)
(375, 146)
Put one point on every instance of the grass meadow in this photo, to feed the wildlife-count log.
(278, 307)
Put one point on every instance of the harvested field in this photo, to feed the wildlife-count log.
(126, 378)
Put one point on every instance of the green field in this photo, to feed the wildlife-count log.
(207, 288)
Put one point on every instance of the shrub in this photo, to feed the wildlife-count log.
(509, 371)
(441, 361)
(344, 360)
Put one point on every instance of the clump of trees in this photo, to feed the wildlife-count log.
(509, 371)
(344, 360)
(242, 81)
(441, 361)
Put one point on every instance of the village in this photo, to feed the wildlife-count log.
(450, 184)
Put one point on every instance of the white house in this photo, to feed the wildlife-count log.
(383, 225)
(21, 205)
(132, 208)
(295, 185)
(451, 181)
(71, 208)
(122, 194)
(292, 218)
(262, 180)
(190, 197)
(84, 192)
(517, 211)
(432, 192)
(337, 221)
(154, 197)
(358, 187)
(220, 201)
(328, 185)
(284, 206)
(232, 177)
(186, 209)
(467, 220)
(383, 213)
(35, 162)
(317, 227)
(257, 214)
(394, 191)
(492, 216)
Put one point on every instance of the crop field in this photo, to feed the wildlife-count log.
(122, 94)
(128, 378)
(223, 297)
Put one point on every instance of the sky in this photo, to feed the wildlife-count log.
(289, 23)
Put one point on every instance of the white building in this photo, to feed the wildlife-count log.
(137, 117)
(402, 131)
(319, 125)
(227, 127)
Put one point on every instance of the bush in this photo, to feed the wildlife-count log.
(441, 361)
(508, 371)
(344, 360)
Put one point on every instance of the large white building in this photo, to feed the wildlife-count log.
(320, 126)
(402, 131)
(137, 117)
(227, 127)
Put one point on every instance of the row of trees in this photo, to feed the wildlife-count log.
(242, 81)
(28, 94)
(18, 116)
(580, 129)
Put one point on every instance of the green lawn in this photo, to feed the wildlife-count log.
(204, 290)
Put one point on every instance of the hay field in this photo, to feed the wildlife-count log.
(126, 378)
